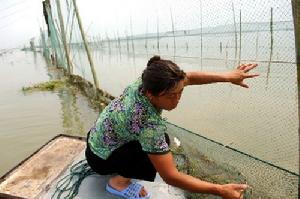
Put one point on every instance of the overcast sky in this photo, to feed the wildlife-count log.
(20, 20)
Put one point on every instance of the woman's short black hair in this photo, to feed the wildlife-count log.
(161, 75)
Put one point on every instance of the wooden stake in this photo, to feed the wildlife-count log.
(63, 36)
(235, 32)
(296, 16)
(86, 45)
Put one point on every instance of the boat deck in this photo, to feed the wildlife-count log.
(38, 175)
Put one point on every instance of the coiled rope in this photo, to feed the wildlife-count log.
(68, 186)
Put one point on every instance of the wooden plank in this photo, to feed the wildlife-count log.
(36, 173)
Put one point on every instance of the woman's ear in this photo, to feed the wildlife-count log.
(149, 95)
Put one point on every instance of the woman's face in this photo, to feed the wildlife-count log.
(168, 100)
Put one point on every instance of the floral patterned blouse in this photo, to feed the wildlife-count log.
(129, 117)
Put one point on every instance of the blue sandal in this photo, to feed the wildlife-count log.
(131, 192)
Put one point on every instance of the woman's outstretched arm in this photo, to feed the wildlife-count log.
(236, 76)
(165, 166)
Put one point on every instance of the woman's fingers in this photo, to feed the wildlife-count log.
(249, 67)
(246, 67)
(244, 85)
(242, 66)
(242, 191)
(247, 76)
(234, 191)
(251, 75)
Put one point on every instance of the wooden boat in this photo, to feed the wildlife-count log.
(38, 175)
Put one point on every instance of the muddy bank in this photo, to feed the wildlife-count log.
(97, 98)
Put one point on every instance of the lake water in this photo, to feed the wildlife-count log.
(28, 121)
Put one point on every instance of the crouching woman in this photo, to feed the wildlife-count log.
(129, 138)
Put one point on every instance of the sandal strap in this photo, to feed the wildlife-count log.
(133, 191)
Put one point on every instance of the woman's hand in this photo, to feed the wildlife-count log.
(233, 191)
(238, 75)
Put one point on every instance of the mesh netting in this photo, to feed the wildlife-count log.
(215, 162)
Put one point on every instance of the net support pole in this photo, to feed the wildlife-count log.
(296, 16)
(86, 45)
(63, 36)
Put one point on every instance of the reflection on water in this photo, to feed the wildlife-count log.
(29, 120)
(73, 120)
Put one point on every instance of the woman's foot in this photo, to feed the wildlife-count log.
(120, 183)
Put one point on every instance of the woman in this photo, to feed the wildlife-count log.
(129, 138)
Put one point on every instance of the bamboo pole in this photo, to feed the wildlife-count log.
(226, 55)
(100, 42)
(44, 44)
(131, 31)
(108, 43)
(235, 32)
(71, 30)
(96, 44)
(201, 35)
(63, 36)
(157, 35)
(115, 40)
(271, 31)
(146, 36)
(119, 43)
(240, 54)
(296, 16)
(86, 45)
(271, 47)
(173, 30)
(256, 46)
(186, 46)
(127, 41)
(186, 40)
(53, 35)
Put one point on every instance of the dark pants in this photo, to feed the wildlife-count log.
(129, 161)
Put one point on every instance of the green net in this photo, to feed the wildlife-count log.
(215, 162)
